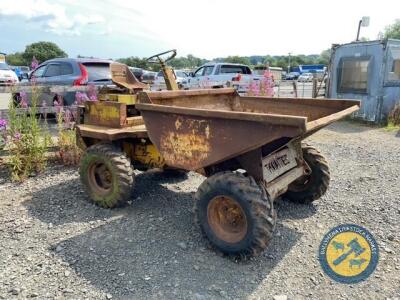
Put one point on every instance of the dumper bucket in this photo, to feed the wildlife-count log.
(199, 128)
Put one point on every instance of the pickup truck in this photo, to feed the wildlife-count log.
(219, 75)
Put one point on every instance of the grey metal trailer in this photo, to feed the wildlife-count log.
(367, 71)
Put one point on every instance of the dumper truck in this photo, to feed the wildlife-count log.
(250, 151)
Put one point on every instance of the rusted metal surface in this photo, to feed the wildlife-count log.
(105, 113)
(134, 121)
(169, 75)
(322, 122)
(251, 161)
(144, 153)
(196, 129)
(111, 134)
(192, 142)
(227, 219)
(100, 178)
(107, 95)
(310, 108)
(123, 77)
(279, 185)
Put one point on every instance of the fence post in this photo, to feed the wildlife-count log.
(314, 88)
(294, 88)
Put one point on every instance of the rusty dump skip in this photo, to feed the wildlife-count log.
(199, 128)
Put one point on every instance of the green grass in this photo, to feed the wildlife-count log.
(391, 127)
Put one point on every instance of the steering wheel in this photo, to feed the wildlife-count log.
(152, 59)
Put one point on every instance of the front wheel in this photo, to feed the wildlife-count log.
(235, 214)
(107, 175)
(309, 188)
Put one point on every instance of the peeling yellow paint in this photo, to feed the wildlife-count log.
(145, 154)
(178, 123)
(207, 131)
(104, 112)
(188, 145)
(184, 150)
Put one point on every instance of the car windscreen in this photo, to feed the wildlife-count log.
(98, 71)
(227, 69)
(4, 66)
(180, 74)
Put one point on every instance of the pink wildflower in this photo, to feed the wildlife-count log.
(254, 88)
(34, 63)
(92, 92)
(74, 111)
(80, 98)
(67, 118)
(268, 84)
(3, 123)
(23, 100)
(58, 104)
(17, 136)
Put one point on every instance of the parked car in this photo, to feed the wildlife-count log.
(306, 77)
(7, 76)
(181, 80)
(218, 75)
(292, 75)
(149, 76)
(68, 72)
(22, 72)
(17, 71)
(25, 71)
(144, 76)
(138, 72)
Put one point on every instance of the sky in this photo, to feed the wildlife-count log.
(204, 28)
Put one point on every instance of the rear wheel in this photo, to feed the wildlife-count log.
(309, 188)
(235, 214)
(107, 175)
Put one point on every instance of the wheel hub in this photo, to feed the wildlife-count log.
(100, 178)
(227, 219)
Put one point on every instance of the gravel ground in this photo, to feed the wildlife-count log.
(55, 244)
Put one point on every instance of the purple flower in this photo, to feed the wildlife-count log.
(58, 104)
(67, 118)
(92, 92)
(17, 136)
(60, 99)
(23, 100)
(80, 98)
(74, 111)
(3, 123)
(254, 88)
(268, 84)
(34, 63)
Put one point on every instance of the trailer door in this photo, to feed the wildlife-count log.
(356, 74)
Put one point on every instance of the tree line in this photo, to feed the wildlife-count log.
(43, 51)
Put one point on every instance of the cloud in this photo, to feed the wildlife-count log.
(52, 17)
(106, 31)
